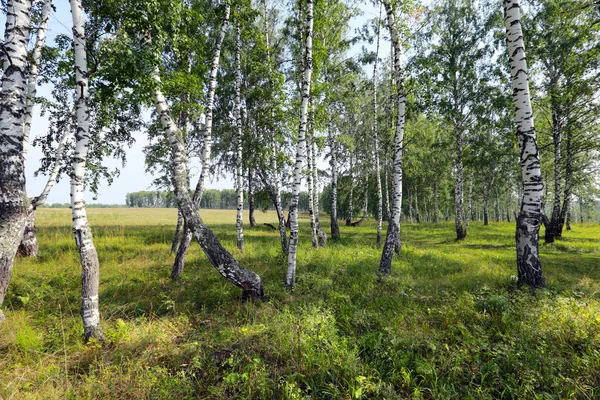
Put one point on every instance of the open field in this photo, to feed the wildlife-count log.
(448, 323)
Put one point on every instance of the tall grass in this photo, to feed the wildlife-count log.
(448, 323)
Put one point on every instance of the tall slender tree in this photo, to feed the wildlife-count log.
(529, 266)
(393, 231)
(301, 146)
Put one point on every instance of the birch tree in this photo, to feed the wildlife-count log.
(13, 198)
(529, 266)
(186, 240)
(90, 266)
(301, 146)
(393, 230)
(238, 159)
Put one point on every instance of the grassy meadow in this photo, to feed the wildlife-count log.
(449, 323)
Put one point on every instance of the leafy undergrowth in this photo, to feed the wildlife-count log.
(448, 323)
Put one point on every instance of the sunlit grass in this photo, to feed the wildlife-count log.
(448, 323)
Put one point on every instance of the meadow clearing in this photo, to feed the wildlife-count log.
(448, 323)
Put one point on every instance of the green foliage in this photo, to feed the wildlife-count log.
(448, 322)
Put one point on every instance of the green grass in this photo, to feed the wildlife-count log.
(448, 322)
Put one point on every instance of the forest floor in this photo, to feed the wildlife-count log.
(448, 323)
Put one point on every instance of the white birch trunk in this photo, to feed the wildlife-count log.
(301, 147)
(90, 266)
(29, 244)
(335, 230)
(392, 241)
(310, 184)
(221, 259)
(376, 139)
(179, 262)
(321, 235)
(436, 210)
(459, 208)
(36, 56)
(239, 225)
(350, 216)
(13, 197)
(530, 215)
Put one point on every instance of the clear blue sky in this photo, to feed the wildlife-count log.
(132, 177)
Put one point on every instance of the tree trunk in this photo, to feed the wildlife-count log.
(29, 244)
(529, 266)
(309, 182)
(553, 227)
(568, 186)
(350, 214)
(376, 138)
(13, 198)
(221, 259)
(301, 148)
(388, 213)
(436, 210)
(461, 231)
(186, 240)
(486, 210)
(335, 230)
(569, 220)
(251, 205)
(417, 215)
(178, 232)
(410, 206)
(90, 274)
(36, 55)
(239, 224)
(321, 235)
(392, 241)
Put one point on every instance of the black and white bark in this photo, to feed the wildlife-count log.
(90, 266)
(335, 230)
(529, 266)
(376, 137)
(459, 209)
(34, 64)
(301, 147)
(392, 241)
(417, 213)
(309, 180)
(436, 209)
(29, 244)
(350, 212)
(13, 197)
(321, 235)
(239, 171)
(219, 257)
(274, 184)
(178, 232)
(251, 206)
(186, 240)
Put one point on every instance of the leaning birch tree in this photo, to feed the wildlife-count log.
(13, 197)
(529, 220)
(301, 147)
(186, 239)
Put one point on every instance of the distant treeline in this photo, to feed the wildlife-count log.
(215, 199)
(90, 205)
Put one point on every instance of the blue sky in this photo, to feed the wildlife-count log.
(132, 177)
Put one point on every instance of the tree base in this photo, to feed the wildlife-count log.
(93, 333)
